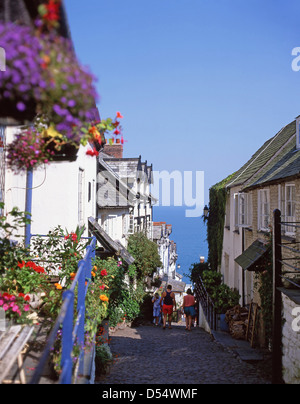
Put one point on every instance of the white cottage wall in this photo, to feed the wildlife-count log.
(56, 197)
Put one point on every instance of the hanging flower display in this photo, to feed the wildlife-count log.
(50, 14)
(69, 98)
(44, 79)
(97, 132)
(23, 81)
(28, 150)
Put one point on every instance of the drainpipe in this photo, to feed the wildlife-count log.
(28, 206)
(243, 271)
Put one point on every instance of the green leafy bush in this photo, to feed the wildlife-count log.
(223, 297)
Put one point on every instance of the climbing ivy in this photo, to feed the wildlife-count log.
(215, 222)
(264, 285)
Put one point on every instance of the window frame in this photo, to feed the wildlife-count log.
(261, 215)
(288, 229)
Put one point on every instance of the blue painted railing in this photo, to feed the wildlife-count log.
(72, 328)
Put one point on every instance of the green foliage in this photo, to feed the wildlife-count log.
(61, 252)
(264, 285)
(145, 253)
(216, 221)
(25, 279)
(197, 270)
(11, 252)
(223, 297)
(124, 299)
(212, 281)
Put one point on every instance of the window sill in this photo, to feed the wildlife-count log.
(289, 237)
(264, 231)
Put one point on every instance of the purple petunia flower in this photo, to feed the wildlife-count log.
(21, 106)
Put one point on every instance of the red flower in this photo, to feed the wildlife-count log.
(119, 115)
(21, 264)
(92, 153)
(27, 298)
(52, 11)
(74, 237)
(103, 272)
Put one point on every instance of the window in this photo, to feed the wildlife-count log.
(263, 209)
(81, 181)
(110, 226)
(243, 209)
(290, 207)
(131, 225)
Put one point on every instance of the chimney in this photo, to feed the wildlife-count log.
(114, 150)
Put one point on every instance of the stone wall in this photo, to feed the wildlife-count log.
(290, 343)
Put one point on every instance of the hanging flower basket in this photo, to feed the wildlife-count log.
(22, 82)
(44, 79)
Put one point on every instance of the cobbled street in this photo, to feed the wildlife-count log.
(149, 355)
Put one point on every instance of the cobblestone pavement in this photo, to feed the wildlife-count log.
(150, 355)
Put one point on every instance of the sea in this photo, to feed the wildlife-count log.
(188, 233)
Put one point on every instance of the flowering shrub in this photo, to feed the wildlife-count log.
(11, 253)
(63, 251)
(25, 278)
(123, 298)
(16, 308)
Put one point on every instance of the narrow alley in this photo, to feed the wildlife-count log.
(149, 355)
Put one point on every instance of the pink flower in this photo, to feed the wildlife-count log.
(1, 302)
(5, 307)
(15, 308)
(26, 307)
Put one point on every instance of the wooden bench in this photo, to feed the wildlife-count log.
(12, 343)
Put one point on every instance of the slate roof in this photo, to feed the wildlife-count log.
(112, 191)
(276, 159)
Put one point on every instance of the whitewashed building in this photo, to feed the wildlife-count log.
(124, 201)
(63, 192)
(167, 251)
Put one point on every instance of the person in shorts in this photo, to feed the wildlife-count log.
(189, 309)
(167, 303)
(156, 308)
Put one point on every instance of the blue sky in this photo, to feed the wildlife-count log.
(202, 84)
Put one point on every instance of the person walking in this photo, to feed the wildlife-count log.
(189, 309)
(156, 308)
(167, 303)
